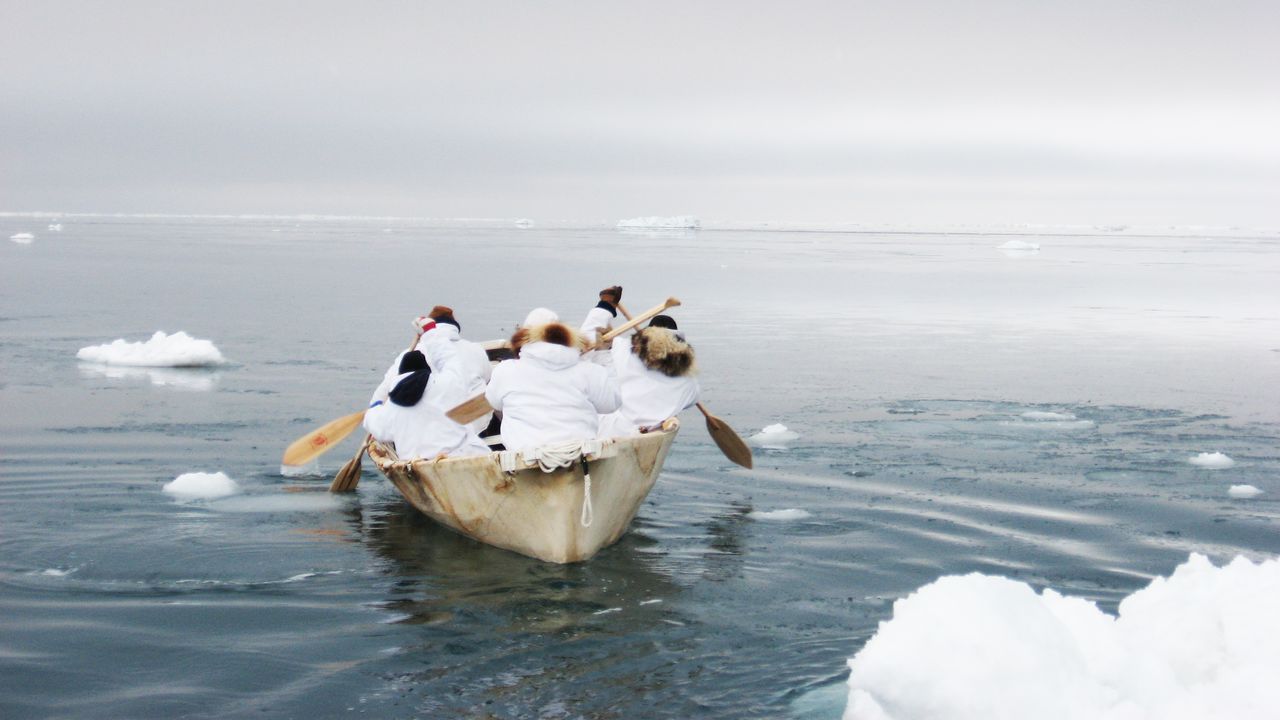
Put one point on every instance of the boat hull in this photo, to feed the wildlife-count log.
(535, 513)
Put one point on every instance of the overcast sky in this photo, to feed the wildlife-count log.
(934, 112)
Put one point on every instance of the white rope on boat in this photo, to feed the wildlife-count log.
(588, 512)
(561, 455)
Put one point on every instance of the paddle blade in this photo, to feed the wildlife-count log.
(321, 440)
(728, 441)
(473, 409)
(349, 476)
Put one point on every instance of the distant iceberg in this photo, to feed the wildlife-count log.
(1243, 491)
(524, 223)
(678, 222)
(1019, 246)
(22, 238)
(176, 350)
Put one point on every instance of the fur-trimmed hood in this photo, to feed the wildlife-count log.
(664, 351)
(554, 333)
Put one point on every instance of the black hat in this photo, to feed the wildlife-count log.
(409, 390)
(412, 361)
(663, 321)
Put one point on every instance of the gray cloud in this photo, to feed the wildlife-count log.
(1004, 111)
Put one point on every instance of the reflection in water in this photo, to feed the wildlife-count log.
(493, 626)
(197, 379)
(725, 555)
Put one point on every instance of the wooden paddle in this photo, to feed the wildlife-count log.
(477, 406)
(321, 440)
(349, 476)
(655, 310)
(727, 440)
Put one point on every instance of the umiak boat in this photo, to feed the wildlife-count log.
(563, 515)
(561, 504)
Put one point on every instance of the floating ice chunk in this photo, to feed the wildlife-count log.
(57, 572)
(1021, 245)
(56, 227)
(1212, 461)
(524, 223)
(788, 514)
(22, 238)
(1038, 415)
(201, 486)
(678, 222)
(774, 436)
(1243, 491)
(176, 350)
(1048, 423)
(976, 646)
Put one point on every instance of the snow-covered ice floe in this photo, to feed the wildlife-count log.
(524, 223)
(201, 486)
(1040, 415)
(1243, 491)
(1212, 461)
(22, 238)
(1040, 420)
(678, 222)
(176, 350)
(1202, 644)
(1019, 248)
(787, 514)
(774, 436)
(1022, 245)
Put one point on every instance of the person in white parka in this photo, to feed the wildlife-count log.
(598, 321)
(413, 418)
(460, 367)
(656, 373)
(548, 395)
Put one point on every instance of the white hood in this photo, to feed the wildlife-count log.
(550, 355)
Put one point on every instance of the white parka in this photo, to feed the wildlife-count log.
(422, 430)
(648, 396)
(459, 367)
(549, 395)
(598, 317)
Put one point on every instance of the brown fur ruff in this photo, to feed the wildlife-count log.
(554, 333)
(661, 350)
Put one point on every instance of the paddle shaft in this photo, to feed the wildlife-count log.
(633, 322)
(322, 439)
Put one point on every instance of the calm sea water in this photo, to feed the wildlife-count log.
(905, 362)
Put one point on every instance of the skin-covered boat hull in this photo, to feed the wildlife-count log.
(528, 511)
